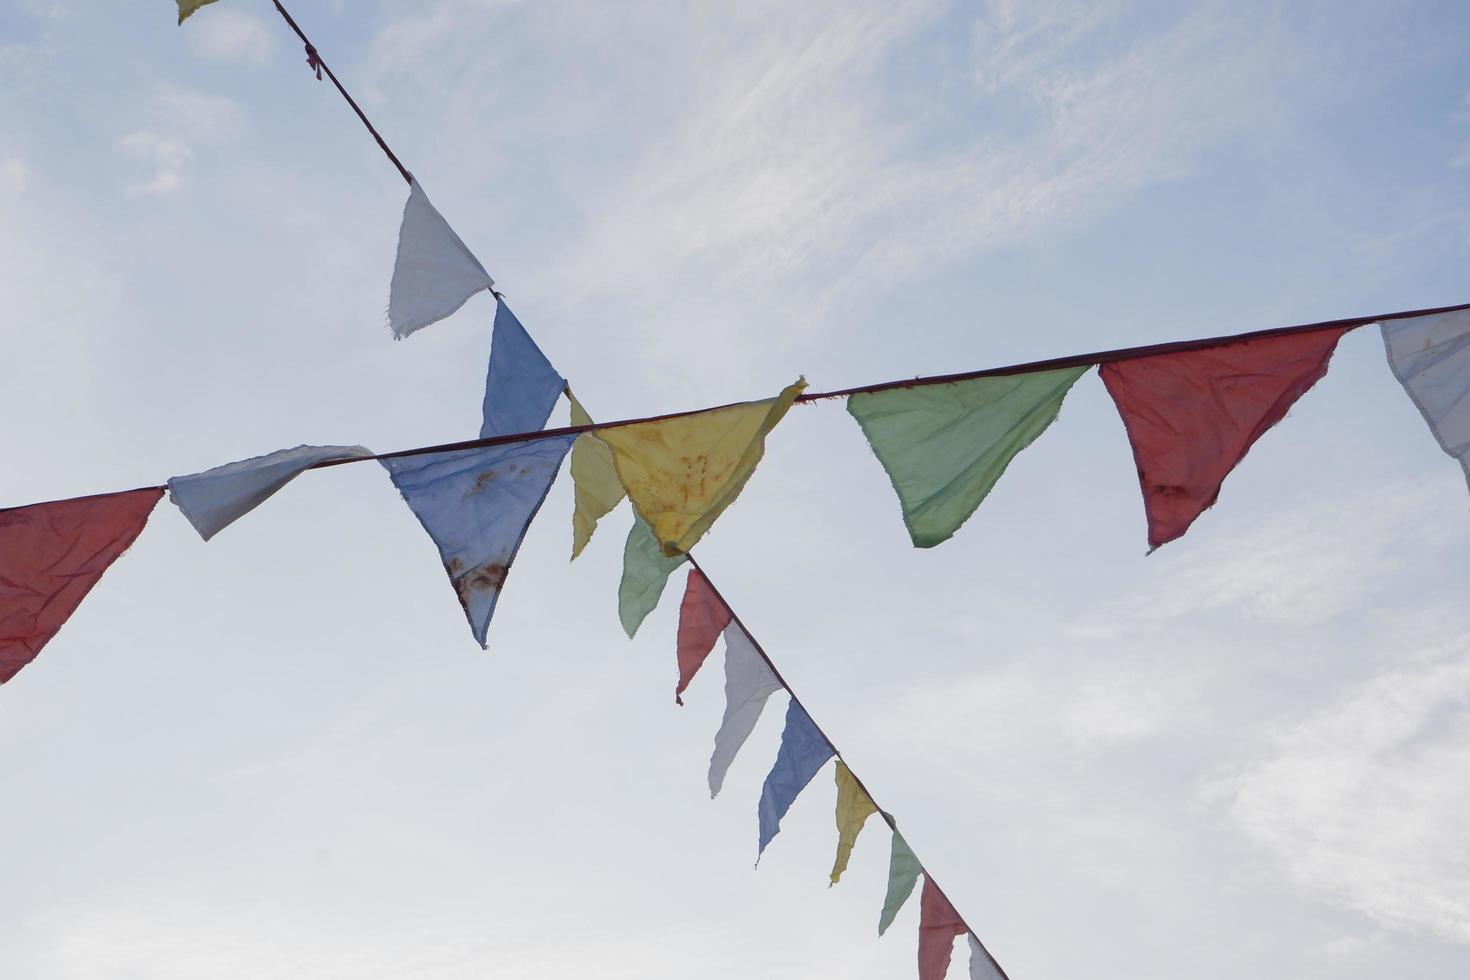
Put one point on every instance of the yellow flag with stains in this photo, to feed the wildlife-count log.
(187, 7)
(682, 473)
(594, 477)
(854, 807)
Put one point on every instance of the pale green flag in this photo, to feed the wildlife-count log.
(187, 7)
(645, 572)
(903, 874)
(945, 446)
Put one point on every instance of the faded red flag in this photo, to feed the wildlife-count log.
(1192, 415)
(702, 618)
(939, 923)
(50, 557)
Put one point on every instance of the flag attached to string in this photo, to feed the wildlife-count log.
(594, 478)
(749, 683)
(216, 498)
(854, 807)
(646, 570)
(982, 964)
(681, 473)
(903, 872)
(434, 273)
(50, 557)
(476, 505)
(187, 7)
(939, 924)
(802, 753)
(521, 387)
(1191, 416)
(945, 446)
(702, 617)
(1430, 355)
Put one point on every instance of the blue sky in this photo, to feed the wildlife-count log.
(280, 754)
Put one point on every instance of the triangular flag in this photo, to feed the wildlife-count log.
(216, 498)
(903, 871)
(749, 683)
(982, 964)
(945, 446)
(681, 473)
(1192, 415)
(646, 571)
(1430, 355)
(50, 557)
(187, 7)
(702, 617)
(803, 752)
(854, 806)
(477, 505)
(939, 924)
(434, 273)
(595, 480)
(521, 387)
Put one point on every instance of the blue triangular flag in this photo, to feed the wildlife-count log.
(521, 387)
(803, 751)
(477, 504)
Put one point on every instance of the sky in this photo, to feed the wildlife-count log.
(280, 754)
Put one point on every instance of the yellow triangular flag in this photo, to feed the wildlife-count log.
(682, 473)
(187, 7)
(854, 807)
(594, 477)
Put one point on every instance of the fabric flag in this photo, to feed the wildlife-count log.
(1430, 355)
(187, 7)
(477, 505)
(646, 571)
(594, 477)
(982, 964)
(681, 473)
(1192, 415)
(803, 751)
(903, 871)
(521, 387)
(216, 498)
(702, 617)
(749, 682)
(435, 273)
(50, 557)
(945, 446)
(939, 924)
(854, 807)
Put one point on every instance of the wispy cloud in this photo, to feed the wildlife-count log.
(179, 120)
(231, 36)
(165, 157)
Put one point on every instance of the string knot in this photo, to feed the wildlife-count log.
(313, 61)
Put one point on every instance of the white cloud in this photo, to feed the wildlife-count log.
(165, 155)
(231, 36)
(14, 175)
(202, 117)
(179, 120)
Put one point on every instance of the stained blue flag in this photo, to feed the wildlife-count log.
(477, 504)
(803, 751)
(522, 387)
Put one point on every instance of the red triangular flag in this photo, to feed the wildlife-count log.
(1192, 415)
(702, 618)
(50, 557)
(939, 923)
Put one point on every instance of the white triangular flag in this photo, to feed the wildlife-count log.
(435, 272)
(982, 967)
(212, 500)
(1430, 355)
(748, 683)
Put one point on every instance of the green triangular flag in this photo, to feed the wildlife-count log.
(187, 7)
(645, 573)
(903, 873)
(945, 446)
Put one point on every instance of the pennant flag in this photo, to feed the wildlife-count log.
(216, 498)
(646, 571)
(187, 7)
(477, 505)
(749, 682)
(1430, 355)
(681, 473)
(945, 446)
(521, 387)
(939, 924)
(982, 964)
(435, 273)
(1192, 415)
(50, 557)
(903, 872)
(598, 489)
(702, 617)
(803, 751)
(853, 809)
